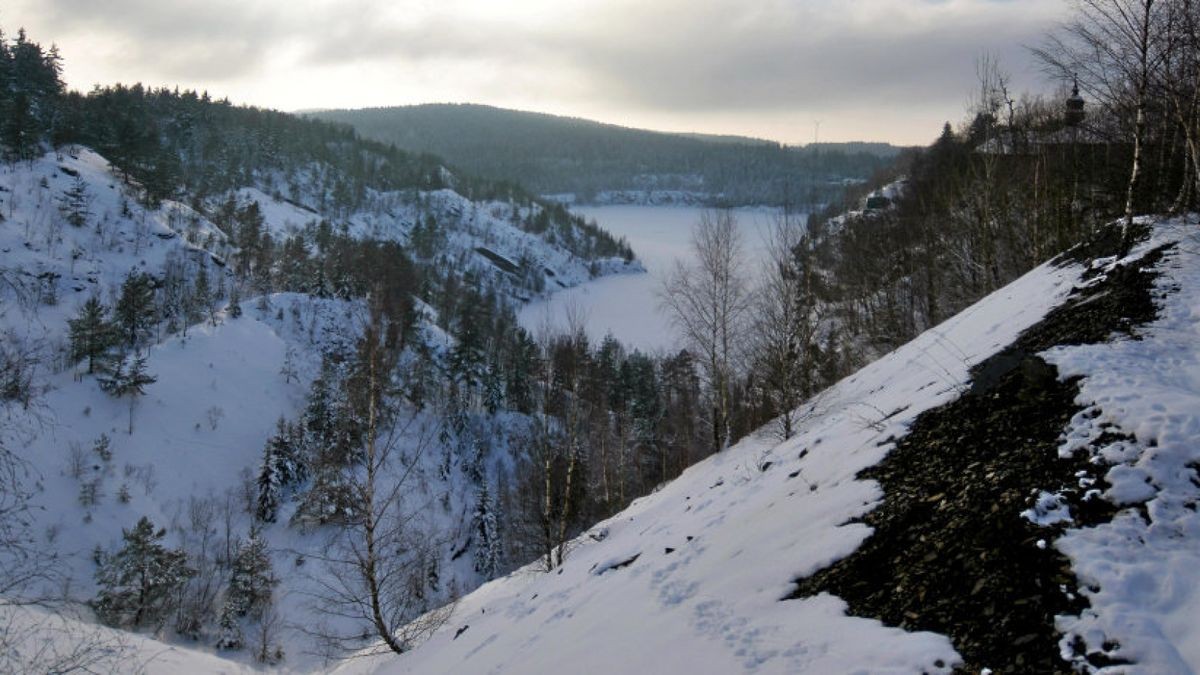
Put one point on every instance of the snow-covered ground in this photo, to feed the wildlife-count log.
(62, 643)
(627, 305)
(1142, 573)
(186, 454)
(690, 578)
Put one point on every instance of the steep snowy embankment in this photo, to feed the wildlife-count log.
(691, 578)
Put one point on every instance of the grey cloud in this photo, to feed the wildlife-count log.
(733, 59)
(723, 56)
(211, 40)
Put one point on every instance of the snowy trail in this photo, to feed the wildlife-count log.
(1144, 575)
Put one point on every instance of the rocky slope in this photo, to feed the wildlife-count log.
(1013, 491)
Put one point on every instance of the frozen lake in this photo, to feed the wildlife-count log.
(627, 305)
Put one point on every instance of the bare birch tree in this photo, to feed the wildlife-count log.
(786, 319)
(374, 572)
(1116, 49)
(708, 301)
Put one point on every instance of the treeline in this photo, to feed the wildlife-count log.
(1023, 179)
(30, 90)
(186, 145)
(549, 154)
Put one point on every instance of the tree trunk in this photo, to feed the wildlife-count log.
(1139, 124)
(371, 563)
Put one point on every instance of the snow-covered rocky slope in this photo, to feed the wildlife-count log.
(122, 235)
(701, 576)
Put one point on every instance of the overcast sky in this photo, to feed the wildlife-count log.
(890, 70)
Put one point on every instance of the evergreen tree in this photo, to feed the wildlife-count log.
(487, 547)
(468, 357)
(29, 103)
(138, 583)
(248, 238)
(252, 579)
(229, 630)
(128, 378)
(92, 336)
(270, 486)
(5, 78)
(134, 312)
(75, 203)
(201, 302)
(284, 449)
(235, 303)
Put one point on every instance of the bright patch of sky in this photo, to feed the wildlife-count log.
(889, 70)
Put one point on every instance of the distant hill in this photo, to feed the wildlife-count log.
(604, 162)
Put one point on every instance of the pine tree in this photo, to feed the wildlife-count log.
(128, 378)
(229, 635)
(471, 326)
(134, 312)
(287, 444)
(137, 583)
(270, 486)
(201, 302)
(92, 336)
(487, 548)
(248, 238)
(252, 580)
(235, 303)
(103, 447)
(75, 203)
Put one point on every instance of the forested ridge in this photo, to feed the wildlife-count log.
(551, 155)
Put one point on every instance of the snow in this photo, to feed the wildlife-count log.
(627, 305)
(48, 638)
(1142, 574)
(391, 216)
(280, 218)
(199, 430)
(36, 243)
(701, 565)
(740, 527)
(1049, 510)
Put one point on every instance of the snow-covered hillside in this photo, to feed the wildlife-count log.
(187, 453)
(726, 569)
(484, 237)
(696, 577)
(68, 263)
